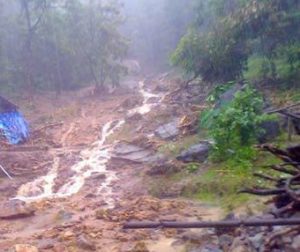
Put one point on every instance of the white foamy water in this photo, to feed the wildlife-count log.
(146, 106)
(93, 161)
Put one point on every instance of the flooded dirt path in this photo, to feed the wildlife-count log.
(84, 197)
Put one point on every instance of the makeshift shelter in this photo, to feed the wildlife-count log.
(13, 126)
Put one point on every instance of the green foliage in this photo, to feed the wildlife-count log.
(58, 46)
(214, 95)
(192, 167)
(235, 126)
(287, 65)
(216, 56)
(218, 51)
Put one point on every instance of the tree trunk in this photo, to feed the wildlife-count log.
(58, 82)
(28, 52)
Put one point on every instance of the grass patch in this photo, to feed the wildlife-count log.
(220, 184)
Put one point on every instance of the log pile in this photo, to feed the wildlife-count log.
(286, 185)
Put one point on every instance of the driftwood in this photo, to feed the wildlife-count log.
(286, 190)
(284, 108)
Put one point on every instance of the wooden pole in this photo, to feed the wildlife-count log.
(216, 224)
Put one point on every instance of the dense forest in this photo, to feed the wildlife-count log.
(254, 39)
(60, 44)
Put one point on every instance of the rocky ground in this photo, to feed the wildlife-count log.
(39, 211)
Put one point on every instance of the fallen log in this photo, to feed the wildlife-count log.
(263, 192)
(213, 224)
(284, 108)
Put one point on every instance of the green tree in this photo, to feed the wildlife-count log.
(95, 36)
(220, 51)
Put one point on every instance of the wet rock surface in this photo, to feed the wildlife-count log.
(133, 153)
(169, 130)
(196, 153)
(15, 209)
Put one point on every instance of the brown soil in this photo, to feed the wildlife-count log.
(82, 221)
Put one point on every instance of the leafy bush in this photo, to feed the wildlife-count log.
(236, 126)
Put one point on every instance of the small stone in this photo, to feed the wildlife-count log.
(46, 244)
(225, 241)
(257, 240)
(60, 248)
(241, 245)
(85, 243)
(140, 247)
(192, 236)
(25, 248)
(67, 235)
(102, 214)
(296, 242)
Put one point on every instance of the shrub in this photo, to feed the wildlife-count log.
(236, 126)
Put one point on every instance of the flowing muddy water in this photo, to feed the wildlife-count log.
(93, 160)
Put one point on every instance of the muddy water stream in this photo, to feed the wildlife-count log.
(92, 160)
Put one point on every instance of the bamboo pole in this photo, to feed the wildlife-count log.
(5, 172)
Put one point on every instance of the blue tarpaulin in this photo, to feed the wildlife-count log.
(13, 126)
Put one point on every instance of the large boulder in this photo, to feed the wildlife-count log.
(134, 153)
(196, 153)
(168, 131)
(15, 209)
